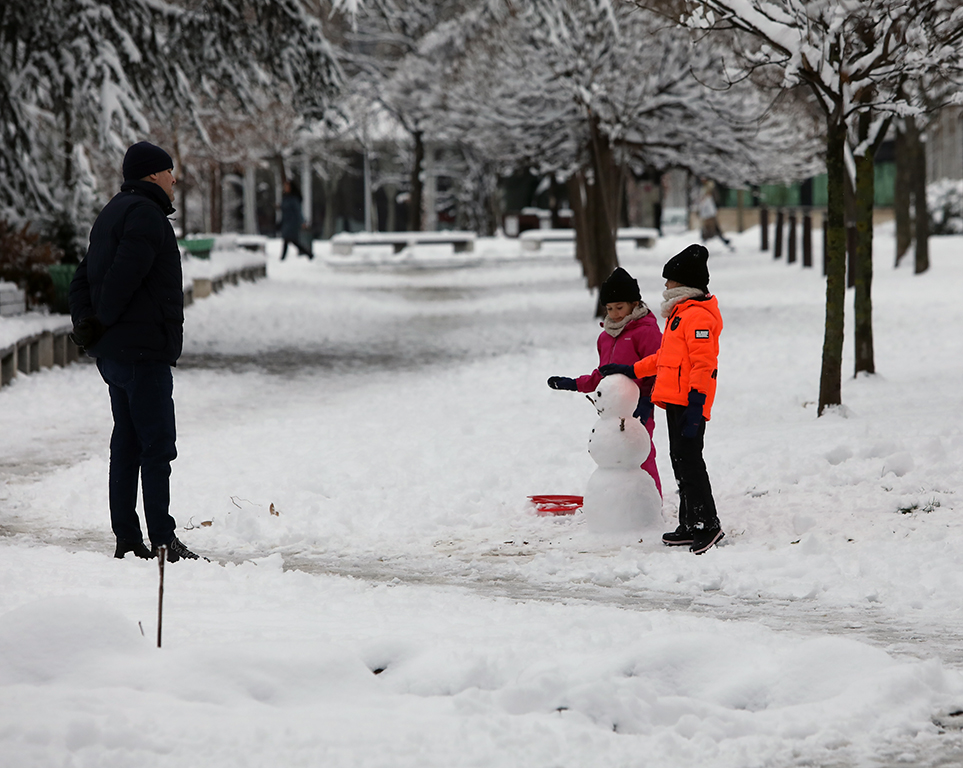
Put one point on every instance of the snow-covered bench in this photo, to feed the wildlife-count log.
(644, 237)
(223, 266)
(210, 261)
(256, 243)
(532, 239)
(344, 243)
(33, 341)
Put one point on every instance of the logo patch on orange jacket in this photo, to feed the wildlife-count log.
(702, 334)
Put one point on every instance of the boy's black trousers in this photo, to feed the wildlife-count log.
(697, 509)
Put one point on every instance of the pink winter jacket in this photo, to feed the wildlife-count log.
(638, 339)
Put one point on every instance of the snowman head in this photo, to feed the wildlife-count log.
(616, 397)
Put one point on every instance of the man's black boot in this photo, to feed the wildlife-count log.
(177, 551)
(137, 547)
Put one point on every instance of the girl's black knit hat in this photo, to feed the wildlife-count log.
(620, 286)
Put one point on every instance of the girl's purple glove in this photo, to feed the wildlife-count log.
(612, 368)
(562, 382)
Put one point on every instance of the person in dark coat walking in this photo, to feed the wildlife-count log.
(292, 220)
(127, 306)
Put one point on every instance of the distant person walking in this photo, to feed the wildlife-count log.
(292, 220)
(127, 306)
(709, 216)
(685, 370)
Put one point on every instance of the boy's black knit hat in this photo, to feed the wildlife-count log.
(143, 159)
(690, 268)
(620, 286)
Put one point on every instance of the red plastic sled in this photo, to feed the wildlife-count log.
(546, 505)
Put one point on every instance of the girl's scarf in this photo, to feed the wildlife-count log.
(613, 329)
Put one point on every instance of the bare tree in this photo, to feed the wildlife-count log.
(852, 56)
(585, 90)
(77, 75)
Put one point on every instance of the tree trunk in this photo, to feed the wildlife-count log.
(216, 199)
(415, 200)
(330, 191)
(492, 211)
(180, 188)
(902, 194)
(391, 222)
(830, 380)
(863, 301)
(849, 205)
(602, 259)
(921, 221)
(594, 240)
(556, 202)
(603, 200)
(576, 198)
(66, 235)
(68, 145)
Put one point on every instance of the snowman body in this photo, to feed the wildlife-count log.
(620, 496)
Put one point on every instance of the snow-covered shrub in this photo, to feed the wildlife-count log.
(944, 199)
(25, 260)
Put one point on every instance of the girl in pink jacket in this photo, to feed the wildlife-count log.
(629, 333)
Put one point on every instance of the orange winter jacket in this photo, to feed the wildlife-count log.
(688, 357)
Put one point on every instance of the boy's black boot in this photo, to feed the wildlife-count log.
(137, 547)
(680, 537)
(706, 538)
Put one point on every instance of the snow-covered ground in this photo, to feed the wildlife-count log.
(356, 452)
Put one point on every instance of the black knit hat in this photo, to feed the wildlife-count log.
(620, 286)
(689, 268)
(143, 159)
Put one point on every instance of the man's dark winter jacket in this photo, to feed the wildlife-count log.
(131, 278)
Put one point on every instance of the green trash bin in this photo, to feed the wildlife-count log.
(200, 247)
(61, 275)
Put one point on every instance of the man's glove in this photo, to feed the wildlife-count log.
(87, 332)
(562, 382)
(692, 417)
(612, 368)
(643, 411)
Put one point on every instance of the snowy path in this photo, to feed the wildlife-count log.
(500, 573)
(943, 639)
(397, 423)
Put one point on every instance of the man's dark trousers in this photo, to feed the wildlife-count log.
(697, 508)
(142, 402)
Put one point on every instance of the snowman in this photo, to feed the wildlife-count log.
(620, 497)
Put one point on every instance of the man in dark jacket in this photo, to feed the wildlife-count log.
(127, 306)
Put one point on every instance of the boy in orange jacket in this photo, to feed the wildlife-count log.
(685, 369)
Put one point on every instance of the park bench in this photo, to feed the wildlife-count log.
(344, 243)
(237, 242)
(532, 239)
